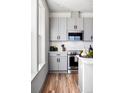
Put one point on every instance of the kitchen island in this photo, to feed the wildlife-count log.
(85, 74)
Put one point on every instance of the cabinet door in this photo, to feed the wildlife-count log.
(62, 29)
(75, 23)
(88, 29)
(54, 29)
(53, 63)
(88, 78)
(80, 73)
(63, 63)
(79, 23)
(70, 23)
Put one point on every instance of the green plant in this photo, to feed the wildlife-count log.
(90, 54)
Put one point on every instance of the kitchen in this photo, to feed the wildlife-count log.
(65, 61)
(70, 48)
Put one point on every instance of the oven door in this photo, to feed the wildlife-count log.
(72, 62)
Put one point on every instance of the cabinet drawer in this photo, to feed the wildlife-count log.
(63, 54)
(57, 53)
(53, 53)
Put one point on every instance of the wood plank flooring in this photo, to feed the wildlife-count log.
(61, 83)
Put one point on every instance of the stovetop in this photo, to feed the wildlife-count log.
(73, 52)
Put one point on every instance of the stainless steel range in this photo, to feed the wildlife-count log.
(73, 61)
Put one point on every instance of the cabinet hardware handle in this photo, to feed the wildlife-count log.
(59, 59)
(58, 37)
(75, 26)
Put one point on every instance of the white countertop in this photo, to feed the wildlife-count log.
(85, 60)
(57, 52)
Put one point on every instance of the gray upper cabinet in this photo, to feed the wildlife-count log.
(54, 27)
(70, 23)
(79, 23)
(62, 29)
(57, 29)
(88, 29)
(75, 24)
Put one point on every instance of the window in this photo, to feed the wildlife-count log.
(37, 37)
(41, 35)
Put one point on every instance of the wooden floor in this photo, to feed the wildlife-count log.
(61, 83)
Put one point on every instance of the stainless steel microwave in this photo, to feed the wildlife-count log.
(76, 36)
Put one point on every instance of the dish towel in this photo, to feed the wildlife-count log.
(75, 59)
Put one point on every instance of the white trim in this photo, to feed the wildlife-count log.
(68, 14)
(41, 66)
(86, 14)
(60, 14)
(33, 75)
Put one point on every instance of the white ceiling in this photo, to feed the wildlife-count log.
(70, 5)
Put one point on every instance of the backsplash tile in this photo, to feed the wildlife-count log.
(71, 45)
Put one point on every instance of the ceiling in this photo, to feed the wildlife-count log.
(70, 5)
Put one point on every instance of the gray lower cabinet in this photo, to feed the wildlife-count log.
(63, 63)
(58, 63)
(53, 63)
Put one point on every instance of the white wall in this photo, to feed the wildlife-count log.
(74, 45)
(38, 81)
(33, 38)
